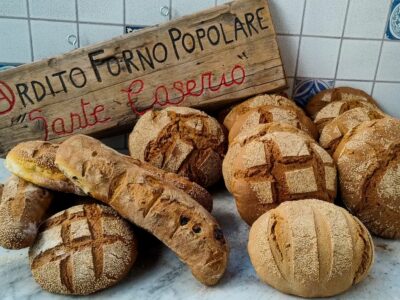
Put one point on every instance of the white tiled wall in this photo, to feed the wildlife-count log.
(322, 42)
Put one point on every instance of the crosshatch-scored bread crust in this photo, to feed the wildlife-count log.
(320, 100)
(310, 248)
(182, 140)
(23, 206)
(333, 132)
(83, 249)
(256, 102)
(167, 212)
(273, 163)
(267, 114)
(35, 162)
(368, 160)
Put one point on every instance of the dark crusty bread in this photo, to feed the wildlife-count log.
(22, 208)
(160, 208)
(83, 249)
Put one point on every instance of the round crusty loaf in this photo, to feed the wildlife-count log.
(325, 97)
(22, 208)
(267, 114)
(253, 103)
(182, 140)
(368, 160)
(333, 131)
(83, 249)
(310, 248)
(274, 163)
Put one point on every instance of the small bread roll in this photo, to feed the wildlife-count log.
(22, 208)
(310, 248)
(333, 132)
(182, 140)
(253, 103)
(368, 160)
(320, 100)
(266, 114)
(273, 163)
(82, 250)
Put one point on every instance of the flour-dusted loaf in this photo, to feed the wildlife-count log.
(310, 248)
(254, 103)
(34, 161)
(327, 96)
(182, 140)
(274, 163)
(139, 196)
(333, 131)
(83, 249)
(368, 161)
(23, 206)
(266, 114)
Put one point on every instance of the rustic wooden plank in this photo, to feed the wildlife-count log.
(204, 60)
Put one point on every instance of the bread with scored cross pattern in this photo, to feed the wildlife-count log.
(139, 196)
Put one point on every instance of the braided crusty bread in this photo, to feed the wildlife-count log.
(22, 208)
(160, 208)
(310, 248)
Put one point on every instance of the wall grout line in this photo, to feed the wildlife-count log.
(124, 15)
(30, 29)
(77, 24)
(170, 10)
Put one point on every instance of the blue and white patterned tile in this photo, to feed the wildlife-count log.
(305, 89)
(133, 28)
(393, 26)
(4, 67)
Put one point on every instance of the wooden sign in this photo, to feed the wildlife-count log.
(212, 57)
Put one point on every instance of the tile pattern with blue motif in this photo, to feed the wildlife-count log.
(305, 89)
(393, 26)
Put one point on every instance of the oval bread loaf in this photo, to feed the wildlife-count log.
(310, 248)
(83, 249)
(22, 208)
(165, 211)
(274, 163)
(368, 161)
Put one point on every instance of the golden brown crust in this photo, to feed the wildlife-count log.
(82, 250)
(182, 140)
(273, 163)
(22, 208)
(160, 208)
(368, 160)
(310, 248)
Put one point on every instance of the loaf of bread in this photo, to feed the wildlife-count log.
(273, 163)
(310, 248)
(333, 131)
(155, 205)
(83, 249)
(253, 103)
(34, 161)
(368, 161)
(266, 114)
(22, 208)
(182, 140)
(327, 96)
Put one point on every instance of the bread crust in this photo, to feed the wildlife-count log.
(22, 208)
(82, 250)
(310, 248)
(158, 207)
(368, 160)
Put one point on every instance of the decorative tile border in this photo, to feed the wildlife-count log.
(393, 26)
(305, 89)
(4, 67)
(132, 28)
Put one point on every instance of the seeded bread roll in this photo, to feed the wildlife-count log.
(182, 140)
(273, 163)
(368, 160)
(333, 131)
(253, 103)
(158, 207)
(34, 161)
(22, 208)
(266, 114)
(83, 249)
(310, 248)
(325, 97)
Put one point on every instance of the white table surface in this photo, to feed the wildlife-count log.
(158, 274)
